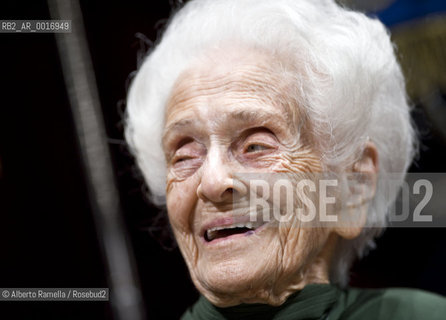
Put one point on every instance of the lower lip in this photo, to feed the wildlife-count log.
(233, 237)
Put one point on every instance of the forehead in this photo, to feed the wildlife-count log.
(231, 81)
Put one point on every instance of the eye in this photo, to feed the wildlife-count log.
(184, 150)
(255, 148)
(179, 159)
(189, 154)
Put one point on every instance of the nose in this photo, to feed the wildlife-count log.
(217, 182)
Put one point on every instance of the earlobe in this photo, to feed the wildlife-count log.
(360, 192)
(365, 175)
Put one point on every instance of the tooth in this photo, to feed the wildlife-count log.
(248, 225)
(211, 233)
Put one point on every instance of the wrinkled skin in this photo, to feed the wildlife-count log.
(231, 116)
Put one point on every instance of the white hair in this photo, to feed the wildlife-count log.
(353, 89)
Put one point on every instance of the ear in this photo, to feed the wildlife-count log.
(363, 176)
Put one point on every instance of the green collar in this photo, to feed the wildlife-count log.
(314, 301)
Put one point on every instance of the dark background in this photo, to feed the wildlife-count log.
(47, 234)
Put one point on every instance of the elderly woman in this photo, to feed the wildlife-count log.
(238, 91)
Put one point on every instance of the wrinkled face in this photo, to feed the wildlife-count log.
(222, 119)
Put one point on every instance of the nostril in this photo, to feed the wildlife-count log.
(229, 193)
(220, 190)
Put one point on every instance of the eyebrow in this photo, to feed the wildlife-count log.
(253, 116)
(245, 116)
(176, 126)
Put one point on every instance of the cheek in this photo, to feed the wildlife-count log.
(181, 199)
(292, 167)
(302, 246)
(299, 162)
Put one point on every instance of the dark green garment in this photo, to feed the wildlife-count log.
(323, 301)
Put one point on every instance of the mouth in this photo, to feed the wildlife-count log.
(221, 232)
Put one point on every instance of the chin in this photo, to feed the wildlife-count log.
(236, 281)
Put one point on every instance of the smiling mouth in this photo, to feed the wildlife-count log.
(227, 231)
